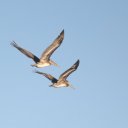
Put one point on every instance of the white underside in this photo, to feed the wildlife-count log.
(40, 65)
(58, 86)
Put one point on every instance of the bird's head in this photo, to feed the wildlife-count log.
(51, 85)
(34, 65)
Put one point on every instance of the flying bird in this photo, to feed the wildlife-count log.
(44, 60)
(62, 81)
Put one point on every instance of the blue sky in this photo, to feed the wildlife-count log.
(96, 33)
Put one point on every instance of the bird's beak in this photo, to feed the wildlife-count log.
(50, 85)
(33, 65)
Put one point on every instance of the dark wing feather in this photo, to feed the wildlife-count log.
(56, 43)
(69, 71)
(50, 77)
(25, 52)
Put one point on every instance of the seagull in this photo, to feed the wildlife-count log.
(45, 57)
(61, 82)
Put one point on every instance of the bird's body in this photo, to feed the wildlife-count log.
(41, 65)
(44, 60)
(61, 82)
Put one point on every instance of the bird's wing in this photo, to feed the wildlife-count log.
(56, 43)
(69, 71)
(50, 77)
(25, 52)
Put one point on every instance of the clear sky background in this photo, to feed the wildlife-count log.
(96, 32)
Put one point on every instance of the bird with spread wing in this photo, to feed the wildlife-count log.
(44, 60)
(62, 81)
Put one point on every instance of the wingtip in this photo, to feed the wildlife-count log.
(76, 64)
(35, 71)
(13, 43)
(38, 72)
(62, 32)
(78, 61)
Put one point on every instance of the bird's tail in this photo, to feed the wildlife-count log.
(70, 85)
(53, 63)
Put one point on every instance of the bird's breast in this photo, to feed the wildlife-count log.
(40, 65)
(60, 85)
